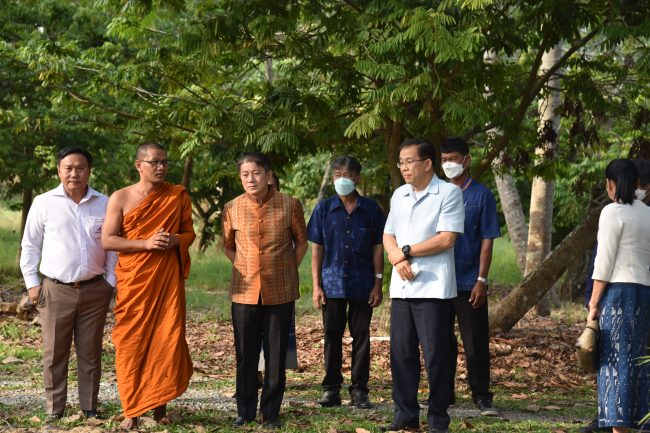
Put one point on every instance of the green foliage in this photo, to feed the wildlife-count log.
(213, 78)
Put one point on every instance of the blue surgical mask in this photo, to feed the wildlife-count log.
(343, 186)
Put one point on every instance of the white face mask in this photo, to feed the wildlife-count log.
(640, 194)
(344, 186)
(453, 169)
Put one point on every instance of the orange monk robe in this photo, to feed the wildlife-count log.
(152, 359)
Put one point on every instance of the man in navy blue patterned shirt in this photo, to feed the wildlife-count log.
(347, 265)
(473, 256)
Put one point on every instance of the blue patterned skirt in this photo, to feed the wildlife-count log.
(623, 384)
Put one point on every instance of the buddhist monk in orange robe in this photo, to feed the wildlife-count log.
(150, 225)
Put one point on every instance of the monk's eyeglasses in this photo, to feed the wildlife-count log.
(156, 163)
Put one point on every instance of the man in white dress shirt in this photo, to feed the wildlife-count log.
(425, 217)
(63, 234)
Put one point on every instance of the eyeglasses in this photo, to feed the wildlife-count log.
(156, 163)
(408, 162)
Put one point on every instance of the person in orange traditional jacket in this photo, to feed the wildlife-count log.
(265, 238)
(149, 224)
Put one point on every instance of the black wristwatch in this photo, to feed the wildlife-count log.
(406, 250)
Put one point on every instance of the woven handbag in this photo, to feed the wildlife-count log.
(587, 347)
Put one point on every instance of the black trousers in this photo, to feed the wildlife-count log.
(475, 334)
(254, 326)
(426, 322)
(336, 314)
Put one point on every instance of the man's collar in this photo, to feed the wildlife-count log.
(433, 187)
(267, 197)
(336, 202)
(60, 191)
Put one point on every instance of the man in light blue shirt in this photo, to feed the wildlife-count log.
(426, 215)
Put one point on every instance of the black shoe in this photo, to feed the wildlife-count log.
(413, 425)
(239, 421)
(330, 398)
(593, 427)
(486, 408)
(272, 424)
(360, 399)
(91, 414)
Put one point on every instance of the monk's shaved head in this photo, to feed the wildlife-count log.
(143, 148)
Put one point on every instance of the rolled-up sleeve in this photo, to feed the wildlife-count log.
(452, 212)
(315, 226)
(227, 228)
(31, 245)
(389, 228)
(610, 227)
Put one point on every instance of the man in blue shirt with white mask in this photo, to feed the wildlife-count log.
(472, 256)
(347, 266)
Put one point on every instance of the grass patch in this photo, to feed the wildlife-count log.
(504, 270)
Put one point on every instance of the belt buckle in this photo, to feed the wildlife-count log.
(76, 285)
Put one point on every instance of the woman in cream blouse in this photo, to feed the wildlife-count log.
(621, 301)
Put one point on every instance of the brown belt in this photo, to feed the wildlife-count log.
(77, 284)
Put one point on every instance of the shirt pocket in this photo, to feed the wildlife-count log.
(472, 217)
(362, 241)
(94, 226)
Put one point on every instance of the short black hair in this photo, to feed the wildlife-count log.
(346, 161)
(625, 174)
(425, 148)
(72, 150)
(139, 152)
(257, 157)
(454, 144)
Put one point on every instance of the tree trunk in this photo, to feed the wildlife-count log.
(187, 173)
(27, 198)
(515, 304)
(394, 136)
(324, 182)
(204, 210)
(540, 222)
(574, 277)
(508, 194)
(514, 213)
(393, 139)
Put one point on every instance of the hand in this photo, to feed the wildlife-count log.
(34, 293)
(594, 312)
(479, 295)
(396, 256)
(318, 297)
(376, 295)
(404, 270)
(161, 241)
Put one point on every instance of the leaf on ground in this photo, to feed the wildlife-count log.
(71, 418)
(12, 360)
(361, 430)
(533, 408)
(466, 425)
(520, 396)
(86, 430)
(199, 429)
(94, 421)
(552, 407)
(35, 419)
